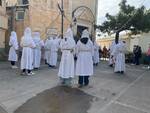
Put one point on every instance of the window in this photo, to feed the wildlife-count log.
(23, 2)
(0, 2)
(20, 15)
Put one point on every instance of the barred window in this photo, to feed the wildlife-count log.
(23, 2)
(20, 15)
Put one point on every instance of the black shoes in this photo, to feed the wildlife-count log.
(121, 72)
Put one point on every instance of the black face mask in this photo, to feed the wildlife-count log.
(84, 40)
(65, 39)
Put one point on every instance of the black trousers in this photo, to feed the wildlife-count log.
(83, 80)
(12, 63)
(137, 60)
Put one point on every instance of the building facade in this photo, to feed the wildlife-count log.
(3, 26)
(44, 16)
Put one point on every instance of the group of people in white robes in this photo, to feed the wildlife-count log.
(84, 51)
(117, 56)
(31, 45)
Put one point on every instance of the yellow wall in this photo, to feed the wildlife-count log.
(3, 25)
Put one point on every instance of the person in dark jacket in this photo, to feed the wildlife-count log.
(137, 54)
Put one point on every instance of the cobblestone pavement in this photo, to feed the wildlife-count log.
(110, 92)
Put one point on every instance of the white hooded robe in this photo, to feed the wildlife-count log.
(84, 65)
(54, 52)
(27, 44)
(47, 48)
(66, 68)
(96, 53)
(119, 53)
(111, 49)
(37, 50)
(13, 43)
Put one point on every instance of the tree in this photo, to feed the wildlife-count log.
(128, 18)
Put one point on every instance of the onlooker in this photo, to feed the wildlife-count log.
(148, 55)
(137, 53)
(105, 51)
(96, 54)
(100, 52)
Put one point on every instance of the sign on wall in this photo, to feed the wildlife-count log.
(52, 31)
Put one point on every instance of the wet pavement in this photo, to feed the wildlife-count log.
(107, 93)
(58, 100)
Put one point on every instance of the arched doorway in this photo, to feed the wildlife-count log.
(83, 18)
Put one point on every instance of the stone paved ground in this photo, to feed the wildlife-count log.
(113, 93)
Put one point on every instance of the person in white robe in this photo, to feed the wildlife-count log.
(13, 43)
(54, 52)
(111, 59)
(27, 44)
(47, 48)
(66, 68)
(119, 53)
(37, 50)
(46, 51)
(96, 54)
(58, 39)
(84, 64)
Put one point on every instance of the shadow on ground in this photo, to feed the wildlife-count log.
(58, 100)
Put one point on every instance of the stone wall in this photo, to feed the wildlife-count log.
(3, 28)
(44, 14)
